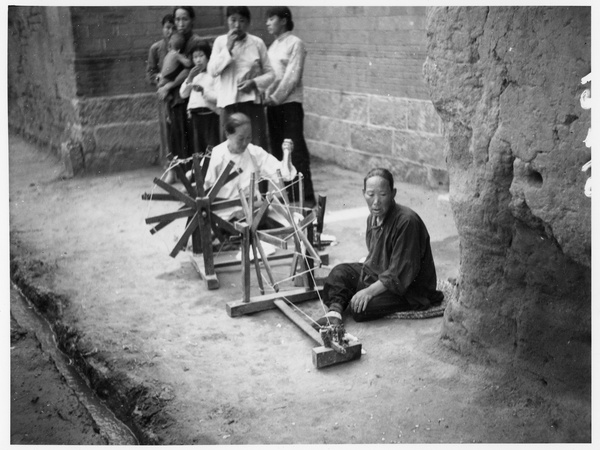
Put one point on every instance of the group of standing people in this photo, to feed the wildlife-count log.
(200, 87)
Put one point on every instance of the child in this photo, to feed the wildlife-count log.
(156, 56)
(202, 104)
(174, 61)
(158, 50)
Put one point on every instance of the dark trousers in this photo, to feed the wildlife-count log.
(163, 113)
(256, 112)
(347, 279)
(287, 122)
(179, 132)
(205, 129)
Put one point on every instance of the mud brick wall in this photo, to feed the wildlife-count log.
(41, 78)
(515, 135)
(366, 103)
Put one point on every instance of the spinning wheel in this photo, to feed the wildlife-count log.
(199, 208)
(298, 229)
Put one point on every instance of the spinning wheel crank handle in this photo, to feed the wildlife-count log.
(326, 337)
(287, 145)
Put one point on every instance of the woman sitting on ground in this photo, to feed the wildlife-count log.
(248, 158)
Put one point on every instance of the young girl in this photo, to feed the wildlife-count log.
(202, 104)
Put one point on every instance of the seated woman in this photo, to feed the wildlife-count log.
(248, 158)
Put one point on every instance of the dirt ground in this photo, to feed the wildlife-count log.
(160, 349)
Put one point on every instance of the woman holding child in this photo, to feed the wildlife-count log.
(178, 130)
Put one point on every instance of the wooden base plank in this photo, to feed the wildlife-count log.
(264, 302)
(299, 321)
(212, 282)
(227, 258)
(325, 356)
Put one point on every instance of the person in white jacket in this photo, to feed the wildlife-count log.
(285, 114)
(199, 86)
(240, 63)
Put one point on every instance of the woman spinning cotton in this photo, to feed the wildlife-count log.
(248, 158)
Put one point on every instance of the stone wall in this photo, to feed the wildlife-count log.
(366, 102)
(362, 131)
(111, 45)
(507, 83)
(77, 81)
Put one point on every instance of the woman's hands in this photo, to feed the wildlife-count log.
(163, 91)
(269, 101)
(193, 72)
(246, 86)
(233, 36)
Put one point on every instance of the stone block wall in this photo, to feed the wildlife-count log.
(362, 131)
(111, 45)
(77, 81)
(117, 132)
(117, 108)
(366, 103)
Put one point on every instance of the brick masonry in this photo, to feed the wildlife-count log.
(366, 102)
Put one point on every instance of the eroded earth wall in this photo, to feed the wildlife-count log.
(507, 83)
(41, 79)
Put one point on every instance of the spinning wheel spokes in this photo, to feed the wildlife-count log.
(278, 237)
(199, 207)
(192, 208)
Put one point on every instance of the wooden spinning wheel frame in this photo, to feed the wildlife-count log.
(199, 206)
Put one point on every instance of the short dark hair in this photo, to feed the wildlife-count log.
(177, 40)
(283, 12)
(380, 172)
(235, 120)
(168, 19)
(241, 10)
(203, 47)
(189, 10)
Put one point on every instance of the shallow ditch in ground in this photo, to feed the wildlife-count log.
(113, 430)
(123, 411)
